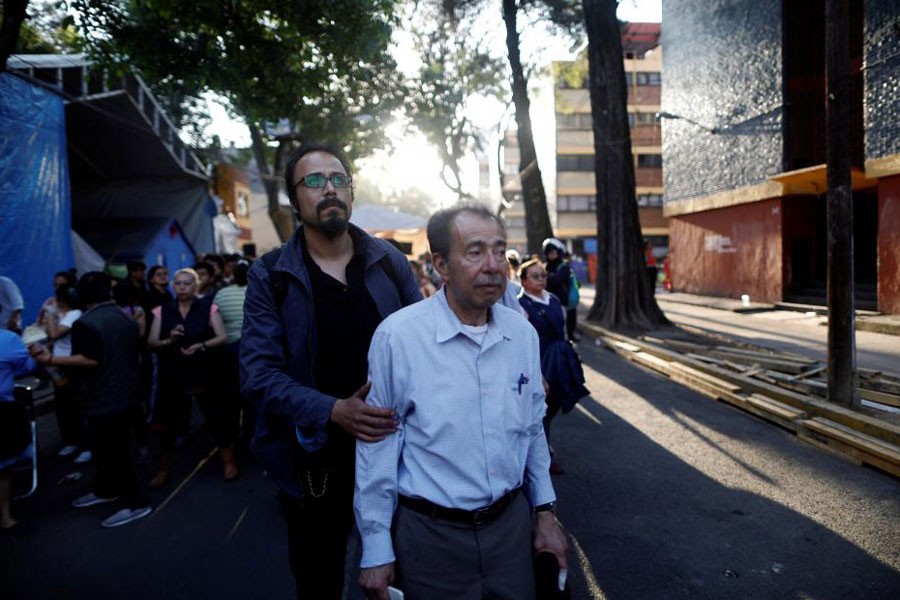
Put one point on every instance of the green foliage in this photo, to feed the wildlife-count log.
(454, 69)
(48, 30)
(322, 66)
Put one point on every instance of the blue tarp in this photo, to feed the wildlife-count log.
(35, 217)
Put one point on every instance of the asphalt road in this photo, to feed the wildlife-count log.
(667, 494)
(674, 495)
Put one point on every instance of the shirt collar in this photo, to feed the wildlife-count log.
(448, 325)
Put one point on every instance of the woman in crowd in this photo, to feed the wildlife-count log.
(230, 302)
(560, 364)
(61, 278)
(58, 320)
(183, 333)
(425, 286)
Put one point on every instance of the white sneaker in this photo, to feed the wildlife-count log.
(90, 500)
(67, 451)
(84, 457)
(127, 515)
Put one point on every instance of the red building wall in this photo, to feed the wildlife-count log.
(889, 245)
(729, 252)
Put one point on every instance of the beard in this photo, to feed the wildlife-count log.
(331, 224)
(334, 226)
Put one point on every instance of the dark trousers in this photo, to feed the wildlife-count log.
(174, 411)
(318, 530)
(68, 415)
(110, 437)
(571, 322)
(445, 559)
(242, 414)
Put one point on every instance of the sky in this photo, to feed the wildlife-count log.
(413, 156)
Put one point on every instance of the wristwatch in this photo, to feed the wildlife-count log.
(548, 507)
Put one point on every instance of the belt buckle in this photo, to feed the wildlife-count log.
(482, 516)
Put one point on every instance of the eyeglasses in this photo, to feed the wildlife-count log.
(538, 276)
(320, 180)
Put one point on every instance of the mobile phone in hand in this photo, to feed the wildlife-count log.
(394, 593)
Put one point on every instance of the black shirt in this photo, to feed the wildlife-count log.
(346, 319)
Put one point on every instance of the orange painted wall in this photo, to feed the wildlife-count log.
(729, 252)
(889, 245)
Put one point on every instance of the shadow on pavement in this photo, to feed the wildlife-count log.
(654, 526)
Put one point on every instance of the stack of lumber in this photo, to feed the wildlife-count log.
(784, 388)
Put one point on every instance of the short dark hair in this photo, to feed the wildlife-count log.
(308, 148)
(439, 225)
(215, 258)
(68, 294)
(94, 287)
(154, 269)
(69, 276)
(240, 272)
(205, 266)
(135, 265)
(125, 295)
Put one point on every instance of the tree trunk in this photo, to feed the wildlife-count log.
(282, 218)
(625, 296)
(13, 17)
(537, 218)
(841, 325)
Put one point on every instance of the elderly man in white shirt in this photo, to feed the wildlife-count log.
(454, 504)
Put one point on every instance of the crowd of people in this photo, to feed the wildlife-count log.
(128, 358)
(362, 374)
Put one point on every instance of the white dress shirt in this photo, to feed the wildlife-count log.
(470, 417)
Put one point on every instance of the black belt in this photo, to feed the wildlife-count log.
(480, 516)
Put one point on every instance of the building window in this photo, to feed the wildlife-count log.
(575, 162)
(641, 118)
(649, 161)
(643, 78)
(574, 121)
(515, 222)
(576, 203)
(650, 200)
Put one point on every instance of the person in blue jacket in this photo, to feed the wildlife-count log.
(14, 362)
(309, 315)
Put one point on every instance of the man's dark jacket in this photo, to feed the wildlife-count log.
(278, 361)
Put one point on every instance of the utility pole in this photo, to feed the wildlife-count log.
(842, 387)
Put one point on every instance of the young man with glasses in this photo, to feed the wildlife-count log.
(309, 315)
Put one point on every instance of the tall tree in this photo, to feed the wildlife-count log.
(564, 16)
(453, 71)
(13, 17)
(625, 296)
(292, 71)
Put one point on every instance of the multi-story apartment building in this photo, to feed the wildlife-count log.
(576, 221)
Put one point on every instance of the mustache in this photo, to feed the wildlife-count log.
(490, 282)
(331, 202)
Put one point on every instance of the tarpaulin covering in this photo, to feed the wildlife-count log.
(35, 219)
(183, 198)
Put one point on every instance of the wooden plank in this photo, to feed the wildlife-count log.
(650, 361)
(777, 408)
(773, 363)
(879, 384)
(794, 358)
(858, 445)
(780, 414)
(880, 397)
(811, 372)
(627, 346)
(715, 381)
(876, 427)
